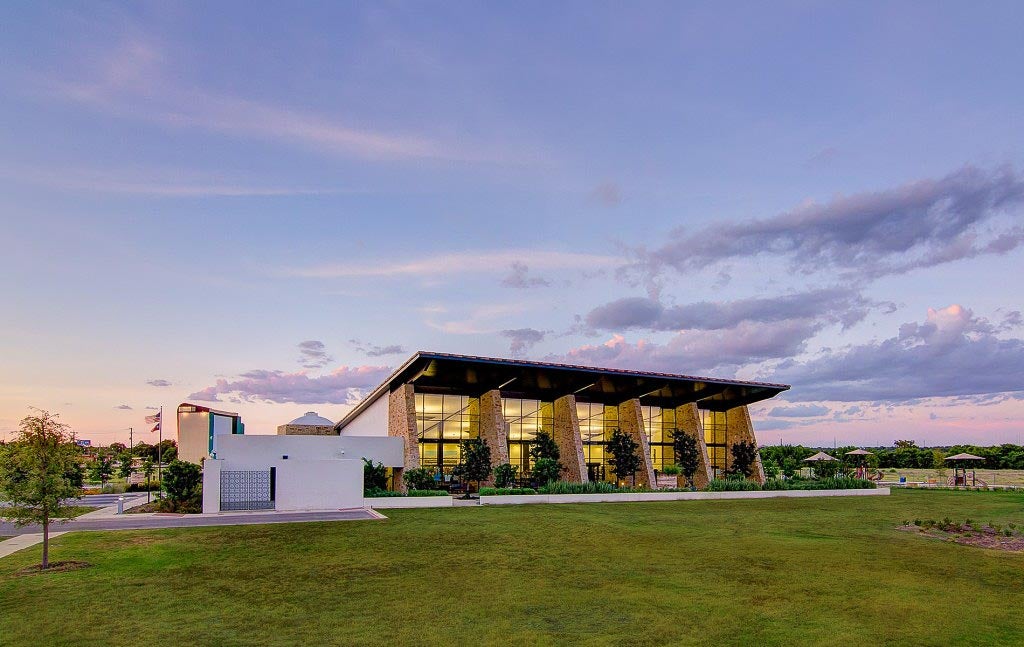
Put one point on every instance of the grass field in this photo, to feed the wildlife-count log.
(768, 572)
(992, 477)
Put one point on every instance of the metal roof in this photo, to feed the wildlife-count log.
(433, 372)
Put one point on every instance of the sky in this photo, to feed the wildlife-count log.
(264, 208)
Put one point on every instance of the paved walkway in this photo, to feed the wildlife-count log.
(147, 521)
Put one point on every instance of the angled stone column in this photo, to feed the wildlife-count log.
(492, 430)
(570, 443)
(402, 424)
(739, 427)
(688, 422)
(631, 421)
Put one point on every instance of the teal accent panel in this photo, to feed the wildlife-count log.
(210, 416)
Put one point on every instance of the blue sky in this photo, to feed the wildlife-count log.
(253, 202)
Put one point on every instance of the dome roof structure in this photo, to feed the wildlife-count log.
(312, 419)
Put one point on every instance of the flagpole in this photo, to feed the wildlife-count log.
(159, 455)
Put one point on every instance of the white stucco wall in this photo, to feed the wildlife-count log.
(193, 436)
(319, 485)
(256, 452)
(211, 485)
(373, 421)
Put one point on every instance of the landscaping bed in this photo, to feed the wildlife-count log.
(982, 535)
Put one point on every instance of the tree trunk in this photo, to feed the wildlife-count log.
(46, 544)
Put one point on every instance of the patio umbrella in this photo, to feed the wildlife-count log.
(820, 456)
(860, 454)
(964, 457)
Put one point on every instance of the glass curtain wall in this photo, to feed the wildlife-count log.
(658, 425)
(525, 418)
(597, 422)
(717, 438)
(442, 422)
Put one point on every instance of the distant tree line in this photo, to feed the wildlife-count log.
(903, 454)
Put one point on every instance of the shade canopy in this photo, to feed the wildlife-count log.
(964, 457)
(859, 452)
(821, 456)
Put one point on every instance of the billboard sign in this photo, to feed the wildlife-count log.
(84, 443)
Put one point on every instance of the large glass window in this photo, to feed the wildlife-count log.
(717, 438)
(658, 425)
(525, 418)
(597, 422)
(442, 423)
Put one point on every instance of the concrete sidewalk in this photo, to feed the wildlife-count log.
(158, 520)
(20, 542)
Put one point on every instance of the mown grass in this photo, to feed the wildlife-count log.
(764, 572)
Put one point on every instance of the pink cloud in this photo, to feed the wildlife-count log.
(343, 385)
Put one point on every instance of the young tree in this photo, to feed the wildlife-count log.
(625, 460)
(182, 482)
(101, 469)
(687, 453)
(743, 456)
(476, 462)
(37, 474)
(125, 466)
(545, 454)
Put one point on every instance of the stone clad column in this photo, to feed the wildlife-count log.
(402, 424)
(492, 430)
(570, 443)
(631, 421)
(688, 422)
(738, 427)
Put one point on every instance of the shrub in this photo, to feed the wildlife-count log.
(732, 485)
(592, 487)
(499, 491)
(419, 478)
(505, 475)
(142, 487)
(671, 470)
(546, 470)
(831, 483)
(428, 493)
(378, 492)
(375, 476)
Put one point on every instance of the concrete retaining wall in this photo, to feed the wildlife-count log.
(384, 502)
(623, 497)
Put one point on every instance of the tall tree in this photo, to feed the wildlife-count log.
(625, 460)
(37, 474)
(687, 453)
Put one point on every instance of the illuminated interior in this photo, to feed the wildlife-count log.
(717, 438)
(442, 422)
(524, 419)
(658, 425)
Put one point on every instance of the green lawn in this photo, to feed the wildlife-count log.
(769, 572)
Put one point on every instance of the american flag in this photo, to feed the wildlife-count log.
(155, 418)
